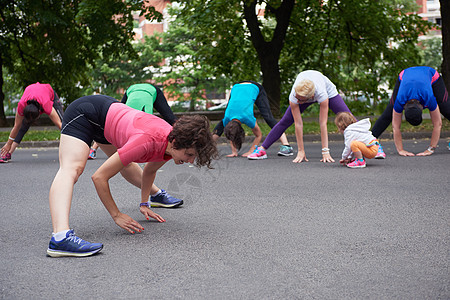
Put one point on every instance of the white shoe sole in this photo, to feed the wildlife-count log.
(257, 158)
(284, 154)
(156, 204)
(357, 167)
(59, 253)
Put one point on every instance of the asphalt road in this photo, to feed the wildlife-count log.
(248, 230)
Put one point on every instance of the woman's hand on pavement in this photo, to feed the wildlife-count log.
(126, 222)
(405, 153)
(300, 157)
(148, 213)
(327, 158)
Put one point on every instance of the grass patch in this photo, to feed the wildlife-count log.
(35, 135)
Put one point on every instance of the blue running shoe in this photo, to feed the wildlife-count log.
(164, 199)
(72, 246)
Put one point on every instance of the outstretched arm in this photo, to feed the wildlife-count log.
(436, 119)
(396, 123)
(17, 123)
(148, 177)
(258, 136)
(295, 109)
(323, 119)
(55, 118)
(107, 170)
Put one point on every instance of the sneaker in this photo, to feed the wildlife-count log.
(92, 154)
(72, 246)
(357, 164)
(164, 199)
(259, 153)
(6, 158)
(380, 153)
(285, 151)
(448, 145)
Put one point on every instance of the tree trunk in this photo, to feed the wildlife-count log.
(272, 82)
(269, 52)
(445, 17)
(2, 96)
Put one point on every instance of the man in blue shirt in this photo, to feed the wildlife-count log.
(416, 88)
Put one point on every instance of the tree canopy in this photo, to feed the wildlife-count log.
(81, 46)
(357, 44)
(56, 41)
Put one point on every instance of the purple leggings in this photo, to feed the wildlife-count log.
(336, 104)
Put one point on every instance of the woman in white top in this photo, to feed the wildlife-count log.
(309, 87)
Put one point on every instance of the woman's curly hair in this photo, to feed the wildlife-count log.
(194, 132)
(235, 133)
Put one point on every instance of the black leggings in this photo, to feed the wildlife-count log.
(57, 105)
(439, 91)
(261, 102)
(160, 105)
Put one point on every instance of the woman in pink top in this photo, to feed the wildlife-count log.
(127, 136)
(37, 99)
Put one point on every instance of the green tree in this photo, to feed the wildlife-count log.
(185, 77)
(56, 41)
(166, 59)
(113, 76)
(362, 42)
(431, 52)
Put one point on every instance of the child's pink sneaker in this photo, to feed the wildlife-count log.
(380, 153)
(357, 164)
(259, 153)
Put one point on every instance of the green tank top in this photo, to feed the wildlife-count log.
(141, 97)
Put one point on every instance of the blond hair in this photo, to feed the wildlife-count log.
(343, 119)
(305, 88)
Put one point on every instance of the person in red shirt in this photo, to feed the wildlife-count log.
(128, 137)
(36, 100)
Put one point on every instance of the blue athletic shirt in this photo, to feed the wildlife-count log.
(240, 105)
(415, 83)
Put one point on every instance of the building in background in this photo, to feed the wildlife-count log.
(430, 10)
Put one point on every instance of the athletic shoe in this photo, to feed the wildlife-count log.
(164, 199)
(6, 158)
(259, 153)
(72, 246)
(448, 145)
(357, 164)
(380, 153)
(285, 151)
(92, 154)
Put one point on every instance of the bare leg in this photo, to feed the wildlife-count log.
(284, 140)
(72, 160)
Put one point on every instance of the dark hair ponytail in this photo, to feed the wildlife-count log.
(235, 133)
(32, 110)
